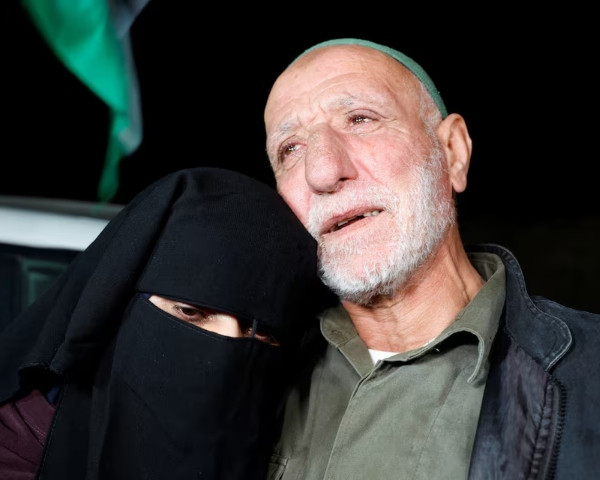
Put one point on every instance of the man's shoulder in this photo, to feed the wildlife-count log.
(569, 314)
(583, 326)
(565, 341)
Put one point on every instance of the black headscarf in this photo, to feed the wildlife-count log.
(145, 395)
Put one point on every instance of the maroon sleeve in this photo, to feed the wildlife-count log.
(23, 428)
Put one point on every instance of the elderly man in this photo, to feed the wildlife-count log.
(437, 363)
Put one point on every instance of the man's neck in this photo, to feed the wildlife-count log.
(420, 310)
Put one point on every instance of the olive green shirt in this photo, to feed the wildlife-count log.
(410, 416)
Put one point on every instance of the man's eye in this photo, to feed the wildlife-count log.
(288, 150)
(358, 119)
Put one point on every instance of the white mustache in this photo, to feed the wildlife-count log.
(365, 196)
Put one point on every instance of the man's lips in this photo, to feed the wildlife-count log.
(340, 221)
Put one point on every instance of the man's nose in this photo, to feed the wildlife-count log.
(328, 162)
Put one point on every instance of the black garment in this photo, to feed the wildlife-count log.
(145, 395)
(540, 412)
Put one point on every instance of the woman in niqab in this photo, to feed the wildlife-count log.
(99, 383)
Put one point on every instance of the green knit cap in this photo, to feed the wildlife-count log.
(408, 62)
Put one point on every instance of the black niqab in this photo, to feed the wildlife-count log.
(145, 395)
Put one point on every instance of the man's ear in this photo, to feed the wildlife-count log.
(454, 139)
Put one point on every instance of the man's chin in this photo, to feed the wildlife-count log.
(354, 281)
(359, 295)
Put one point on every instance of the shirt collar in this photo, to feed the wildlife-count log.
(480, 317)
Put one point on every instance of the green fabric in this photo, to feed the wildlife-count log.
(413, 415)
(81, 34)
(408, 62)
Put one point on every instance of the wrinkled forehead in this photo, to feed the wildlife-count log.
(357, 48)
(338, 69)
(333, 78)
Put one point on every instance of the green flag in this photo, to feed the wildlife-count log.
(86, 37)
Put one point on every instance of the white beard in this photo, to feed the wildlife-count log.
(370, 264)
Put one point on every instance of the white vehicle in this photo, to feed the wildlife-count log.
(39, 237)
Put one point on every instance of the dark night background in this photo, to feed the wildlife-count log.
(526, 84)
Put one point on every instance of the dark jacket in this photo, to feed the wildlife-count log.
(540, 415)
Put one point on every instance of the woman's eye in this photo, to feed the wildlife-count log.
(212, 320)
(266, 338)
(260, 334)
(190, 313)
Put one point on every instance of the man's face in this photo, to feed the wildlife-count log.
(354, 161)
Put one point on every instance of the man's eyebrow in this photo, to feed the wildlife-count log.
(342, 102)
(286, 127)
